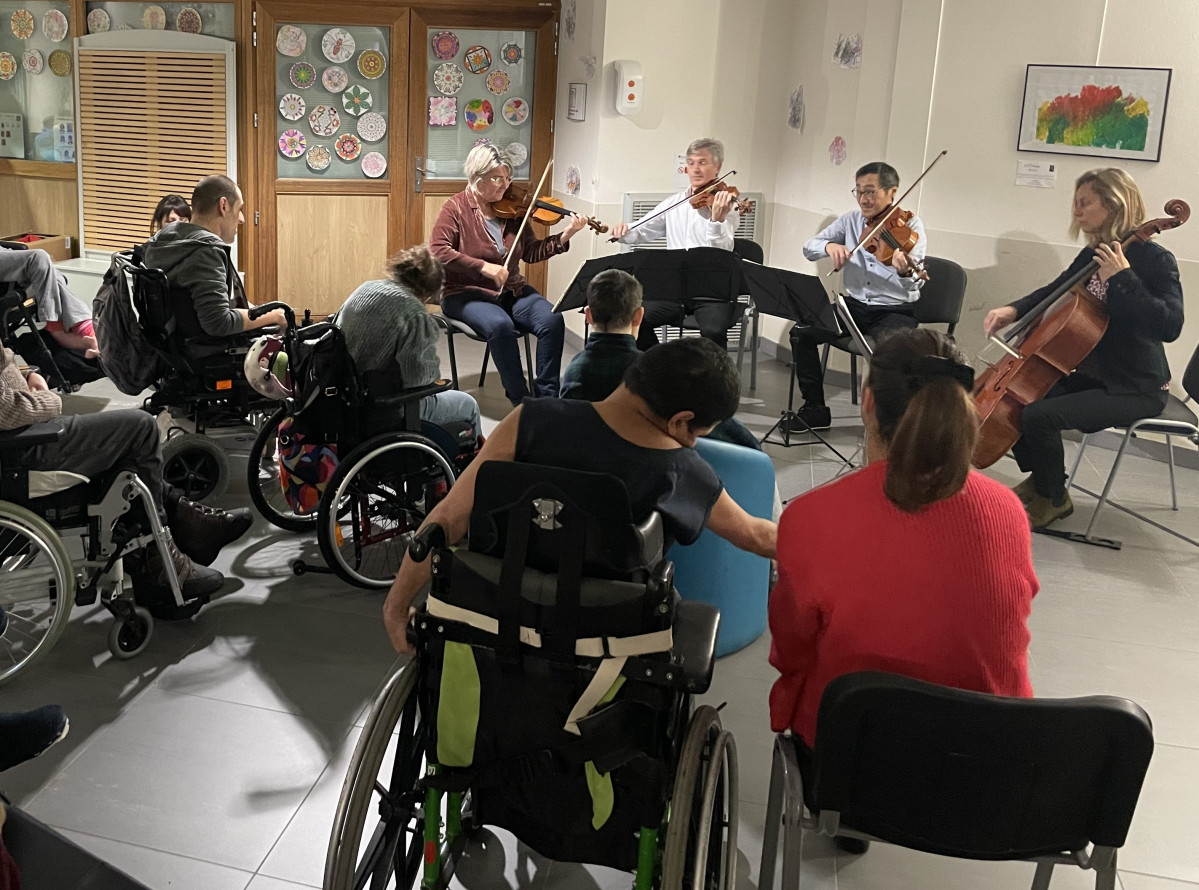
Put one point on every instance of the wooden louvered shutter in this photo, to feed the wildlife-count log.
(150, 123)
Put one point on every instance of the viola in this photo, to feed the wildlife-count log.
(705, 193)
(1049, 342)
(517, 201)
(894, 234)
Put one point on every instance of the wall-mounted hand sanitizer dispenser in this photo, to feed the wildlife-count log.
(628, 86)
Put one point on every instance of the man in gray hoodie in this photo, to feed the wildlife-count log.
(195, 257)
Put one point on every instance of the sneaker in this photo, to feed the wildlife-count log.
(810, 417)
(202, 531)
(1043, 511)
(25, 735)
(152, 590)
(1025, 491)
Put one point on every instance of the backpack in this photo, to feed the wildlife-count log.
(127, 358)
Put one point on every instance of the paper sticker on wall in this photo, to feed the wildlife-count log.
(569, 16)
(836, 151)
(588, 66)
(795, 113)
(574, 181)
(848, 51)
(443, 111)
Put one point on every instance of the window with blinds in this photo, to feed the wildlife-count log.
(151, 122)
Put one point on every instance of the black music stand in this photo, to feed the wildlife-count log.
(701, 273)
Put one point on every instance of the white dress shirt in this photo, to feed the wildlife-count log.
(684, 226)
(865, 278)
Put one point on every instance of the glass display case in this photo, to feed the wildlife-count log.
(331, 90)
(479, 86)
(213, 19)
(37, 91)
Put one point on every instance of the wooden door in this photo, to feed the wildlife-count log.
(332, 142)
(519, 62)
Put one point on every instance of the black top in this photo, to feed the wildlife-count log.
(676, 482)
(1144, 308)
(594, 373)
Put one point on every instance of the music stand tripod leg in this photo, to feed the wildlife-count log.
(783, 426)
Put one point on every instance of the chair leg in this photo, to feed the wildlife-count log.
(1077, 459)
(753, 353)
(1173, 490)
(453, 360)
(1040, 880)
(1105, 875)
(853, 379)
(529, 367)
(483, 370)
(1111, 477)
(773, 827)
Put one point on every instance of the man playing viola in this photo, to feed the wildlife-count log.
(880, 296)
(685, 227)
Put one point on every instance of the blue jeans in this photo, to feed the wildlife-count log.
(449, 406)
(531, 313)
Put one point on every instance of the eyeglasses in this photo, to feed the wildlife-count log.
(499, 179)
(864, 193)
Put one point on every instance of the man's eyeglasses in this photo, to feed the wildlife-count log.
(864, 193)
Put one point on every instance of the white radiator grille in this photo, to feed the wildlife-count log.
(638, 204)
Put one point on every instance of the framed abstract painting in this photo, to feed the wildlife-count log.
(1095, 111)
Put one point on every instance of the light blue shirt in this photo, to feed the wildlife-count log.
(865, 278)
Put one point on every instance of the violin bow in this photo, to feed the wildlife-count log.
(529, 212)
(707, 188)
(894, 206)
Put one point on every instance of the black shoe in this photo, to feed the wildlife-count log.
(152, 590)
(854, 845)
(810, 417)
(200, 531)
(23, 736)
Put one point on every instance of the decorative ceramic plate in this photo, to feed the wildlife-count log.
(189, 21)
(338, 45)
(292, 107)
(448, 78)
(335, 79)
(302, 75)
(290, 41)
(60, 62)
(517, 153)
(374, 165)
(478, 114)
(54, 26)
(8, 66)
(477, 59)
(443, 111)
(371, 64)
(348, 146)
(324, 120)
(22, 23)
(511, 53)
(292, 143)
(372, 127)
(154, 18)
(445, 45)
(318, 158)
(516, 111)
(32, 61)
(98, 21)
(498, 82)
(356, 100)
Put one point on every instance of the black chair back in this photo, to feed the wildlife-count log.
(978, 776)
(1190, 377)
(942, 296)
(748, 250)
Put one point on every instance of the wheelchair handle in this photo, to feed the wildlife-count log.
(432, 535)
(257, 312)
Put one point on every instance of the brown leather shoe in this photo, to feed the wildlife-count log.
(1043, 511)
(202, 531)
(1026, 491)
(152, 590)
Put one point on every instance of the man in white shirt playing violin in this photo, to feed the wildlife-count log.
(685, 227)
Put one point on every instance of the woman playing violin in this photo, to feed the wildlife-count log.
(1126, 376)
(483, 284)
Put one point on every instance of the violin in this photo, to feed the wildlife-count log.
(547, 210)
(894, 234)
(704, 194)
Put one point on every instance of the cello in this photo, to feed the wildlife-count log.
(1047, 344)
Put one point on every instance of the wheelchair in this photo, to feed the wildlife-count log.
(550, 696)
(395, 467)
(202, 382)
(40, 581)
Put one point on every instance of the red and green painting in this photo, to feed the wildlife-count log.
(1095, 117)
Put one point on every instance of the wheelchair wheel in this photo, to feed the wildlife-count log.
(262, 478)
(701, 835)
(376, 501)
(37, 588)
(128, 637)
(394, 847)
(195, 465)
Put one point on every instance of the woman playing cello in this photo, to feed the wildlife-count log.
(1126, 377)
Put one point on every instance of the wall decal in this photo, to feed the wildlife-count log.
(836, 151)
(795, 113)
(848, 51)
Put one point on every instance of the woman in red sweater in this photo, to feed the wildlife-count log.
(916, 564)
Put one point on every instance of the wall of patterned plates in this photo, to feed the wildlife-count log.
(332, 94)
(37, 91)
(480, 86)
(213, 19)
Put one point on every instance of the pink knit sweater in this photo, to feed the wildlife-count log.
(942, 595)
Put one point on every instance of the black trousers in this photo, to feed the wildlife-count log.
(1077, 402)
(714, 318)
(873, 321)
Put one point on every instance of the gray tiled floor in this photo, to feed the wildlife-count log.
(215, 759)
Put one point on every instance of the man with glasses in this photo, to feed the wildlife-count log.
(880, 296)
(685, 227)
